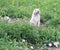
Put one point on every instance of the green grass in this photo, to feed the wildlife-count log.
(50, 11)
(50, 16)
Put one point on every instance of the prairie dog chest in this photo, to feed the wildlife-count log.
(36, 18)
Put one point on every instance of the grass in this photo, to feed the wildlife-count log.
(50, 11)
(50, 16)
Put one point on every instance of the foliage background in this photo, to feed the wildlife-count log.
(50, 16)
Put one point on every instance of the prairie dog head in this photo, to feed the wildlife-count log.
(36, 11)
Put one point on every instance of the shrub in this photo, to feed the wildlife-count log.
(29, 32)
(8, 44)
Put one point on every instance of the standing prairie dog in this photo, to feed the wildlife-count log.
(35, 19)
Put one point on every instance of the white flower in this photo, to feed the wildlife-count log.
(6, 18)
(56, 44)
(50, 44)
(31, 47)
(23, 40)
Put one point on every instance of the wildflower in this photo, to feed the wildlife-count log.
(50, 44)
(56, 44)
(23, 40)
(6, 18)
(31, 47)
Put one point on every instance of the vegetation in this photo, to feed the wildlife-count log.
(11, 34)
